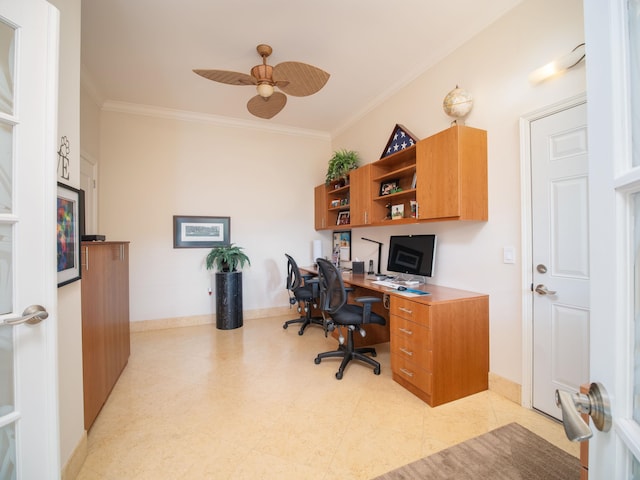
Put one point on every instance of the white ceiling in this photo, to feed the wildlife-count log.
(143, 51)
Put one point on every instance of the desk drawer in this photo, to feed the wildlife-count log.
(405, 308)
(411, 373)
(414, 352)
(418, 334)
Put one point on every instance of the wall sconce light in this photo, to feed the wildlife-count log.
(559, 65)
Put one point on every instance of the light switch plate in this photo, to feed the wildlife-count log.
(509, 255)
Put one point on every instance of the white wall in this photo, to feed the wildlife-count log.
(71, 403)
(493, 67)
(153, 168)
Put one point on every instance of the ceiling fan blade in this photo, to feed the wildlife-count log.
(225, 76)
(267, 107)
(303, 79)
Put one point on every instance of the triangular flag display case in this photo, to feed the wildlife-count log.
(400, 139)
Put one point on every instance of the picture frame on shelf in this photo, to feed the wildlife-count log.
(68, 226)
(388, 187)
(342, 244)
(201, 232)
(397, 211)
(344, 218)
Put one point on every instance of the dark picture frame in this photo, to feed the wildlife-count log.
(387, 187)
(342, 244)
(201, 232)
(68, 225)
(344, 218)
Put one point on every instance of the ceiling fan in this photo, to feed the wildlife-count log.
(293, 78)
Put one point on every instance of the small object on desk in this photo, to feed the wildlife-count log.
(401, 288)
(357, 268)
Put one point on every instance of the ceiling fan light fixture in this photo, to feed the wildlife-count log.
(265, 90)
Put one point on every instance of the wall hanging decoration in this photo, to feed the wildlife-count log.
(400, 139)
(68, 234)
(200, 232)
(63, 158)
(457, 104)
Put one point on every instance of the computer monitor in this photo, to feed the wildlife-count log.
(412, 254)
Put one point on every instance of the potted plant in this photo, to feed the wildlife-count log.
(226, 259)
(342, 162)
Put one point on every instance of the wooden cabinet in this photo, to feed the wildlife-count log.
(320, 203)
(452, 175)
(440, 347)
(105, 321)
(360, 194)
(444, 177)
(400, 168)
(331, 201)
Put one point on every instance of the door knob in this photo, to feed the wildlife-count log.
(32, 315)
(595, 404)
(542, 290)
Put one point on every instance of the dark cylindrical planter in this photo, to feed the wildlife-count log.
(228, 300)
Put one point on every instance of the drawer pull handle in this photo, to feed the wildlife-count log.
(406, 310)
(406, 372)
(404, 330)
(404, 350)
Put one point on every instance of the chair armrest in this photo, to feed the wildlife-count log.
(366, 307)
(368, 299)
(314, 283)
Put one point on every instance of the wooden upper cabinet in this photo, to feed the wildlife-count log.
(360, 180)
(445, 175)
(320, 202)
(451, 171)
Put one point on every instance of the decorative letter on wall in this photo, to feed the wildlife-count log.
(63, 158)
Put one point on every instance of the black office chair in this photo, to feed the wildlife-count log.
(303, 290)
(333, 303)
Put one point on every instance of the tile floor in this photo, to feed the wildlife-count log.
(201, 403)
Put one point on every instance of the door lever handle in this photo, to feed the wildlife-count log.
(595, 403)
(542, 290)
(32, 315)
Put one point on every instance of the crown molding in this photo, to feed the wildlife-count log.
(168, 113)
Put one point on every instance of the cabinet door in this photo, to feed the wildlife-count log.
(360, 180)
(94, 330)
(320, 202)
(452, 175)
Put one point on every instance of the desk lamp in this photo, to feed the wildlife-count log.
(378, 274)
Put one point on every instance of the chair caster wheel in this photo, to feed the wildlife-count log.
(376, 370)
(339, 375)
(285, 326)
(374, 354)
(316, 361)
(300, 332)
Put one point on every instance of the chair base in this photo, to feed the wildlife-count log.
(305, 320)
(348, 353)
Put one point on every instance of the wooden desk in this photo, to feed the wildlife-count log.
(439, 342)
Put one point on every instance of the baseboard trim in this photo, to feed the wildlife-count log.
(73, 466)
(177, 322)
(507, 388)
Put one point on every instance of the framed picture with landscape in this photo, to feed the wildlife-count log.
(200, 232)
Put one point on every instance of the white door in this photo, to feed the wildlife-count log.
(612, 41)
(29, 437)
(560, 255)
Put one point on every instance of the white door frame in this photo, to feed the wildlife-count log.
(526, 233)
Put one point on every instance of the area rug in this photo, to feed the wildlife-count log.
(508, 453)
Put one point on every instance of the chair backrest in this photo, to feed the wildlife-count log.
(332, 292)
(294, 279)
